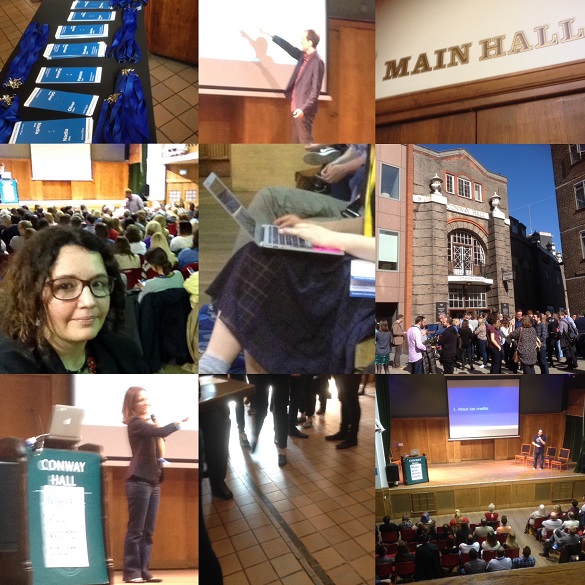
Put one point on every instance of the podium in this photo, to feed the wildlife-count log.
(415, 470)
(53, 526)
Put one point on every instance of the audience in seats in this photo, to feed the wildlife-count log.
(491, 542)
(540, 513)
(475, 564)
(190, 255)
(184, 238)
(500, 563)
(161, 241)
(550, 525)
(491, 515)
(524, 561)
(388, 526)
(504, 528)
(125, 258)
(427, 560)
(469, 544)
(483, 529)
(560, 538)
(511, 541)
(166, 277)
(457, 519)
(403, 554)
(464, 532)
(406, 524)
(134, 236)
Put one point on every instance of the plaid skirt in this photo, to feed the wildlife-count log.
(292, 310)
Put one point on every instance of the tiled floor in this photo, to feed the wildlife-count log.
(308, 522)
(174, 84)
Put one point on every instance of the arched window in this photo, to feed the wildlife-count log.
(466, 254)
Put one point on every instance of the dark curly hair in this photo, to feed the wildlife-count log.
(22, 310)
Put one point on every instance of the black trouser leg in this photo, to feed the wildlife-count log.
(214, 426)
(297, 389)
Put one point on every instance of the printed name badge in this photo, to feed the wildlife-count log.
(82, 31)
(62, 101)
(73, 130)
(69, 75)
(92, 16)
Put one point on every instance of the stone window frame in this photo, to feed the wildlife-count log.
(582, 238)
(475, 189)
(449, 178)
(464, 179)
(395, 197)
(386, 232)
(580, 198)
(475, 244)
(576, 152)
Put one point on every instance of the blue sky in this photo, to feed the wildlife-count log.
(531, 187)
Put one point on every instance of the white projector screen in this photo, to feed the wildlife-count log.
(172, 397)
(235, 58)
(483, 409)
(61, 162)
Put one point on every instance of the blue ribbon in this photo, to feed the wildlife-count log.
(8, 116)
(123, 117)
(124, 4)
(32, 43)
(124, 47)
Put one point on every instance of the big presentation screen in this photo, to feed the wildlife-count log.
(236, 58)
(172, 398)
(483, 409)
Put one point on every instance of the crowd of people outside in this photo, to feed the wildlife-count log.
(492, 342)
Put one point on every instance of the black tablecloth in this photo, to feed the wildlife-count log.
(55, 13)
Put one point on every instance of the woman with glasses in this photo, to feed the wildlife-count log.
(62, 307)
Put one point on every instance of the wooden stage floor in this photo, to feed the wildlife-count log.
(485, 472)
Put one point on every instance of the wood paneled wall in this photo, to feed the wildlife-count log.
(176, 543)
(431, 436)
(542, 106)
(24, 398)
(348, 117)
(109, 181)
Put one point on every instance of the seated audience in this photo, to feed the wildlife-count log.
(500, 563)
(559, 539)
(166, 278)
(470, 543)
(463, 532)
(191, 254)
(483, 529)
(124, 256)
(159, 241)
(152, 227)
(457, 519)
(184, 238)
(511, 541)
(526, 560)
(571, 521)
(406, 524)
(381, 558)
(550, 525)
(475, 564)
(504, 528)
(427, 560)
(540, 513)
(403, 554)
(491, 542)
(387, 525)
(134, 236)
(491, 515)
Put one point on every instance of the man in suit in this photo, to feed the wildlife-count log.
(304, 85)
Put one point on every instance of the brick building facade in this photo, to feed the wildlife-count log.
(461, 236)
(393, 185)
(569, 174)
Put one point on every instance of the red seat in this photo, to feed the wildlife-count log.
(186, 270)
(405, 570)
(464, 558)
(384, 570)
(449, 562)
(488, 555)
(408, 534)
(512, 553)
(537, 524)
(391, 536)
(133, 275)
(502, 537)
(391, 548)
(411, 546)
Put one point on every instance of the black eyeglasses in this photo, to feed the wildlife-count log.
(69, 288)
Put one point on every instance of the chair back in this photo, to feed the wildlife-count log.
(488, 555)
(384, 570)
(472, 527)
(512, 553)
(388, 537)
(408, 534)
(525, 449)
(538, 523)
(449, 561)
(465, 558)
(391, 548)
(405, 569)
(187, 270)
(551, 452)
(564, 455)
(502, 537)
(133, 275)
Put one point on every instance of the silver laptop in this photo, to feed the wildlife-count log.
(267, 236)
(66, 423)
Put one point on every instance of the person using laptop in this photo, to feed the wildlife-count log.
(142, 482)
(62, 308)
(291, 312)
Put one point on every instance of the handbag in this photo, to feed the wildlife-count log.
(515, 357)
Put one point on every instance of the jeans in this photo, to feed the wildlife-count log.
(482, 351)
(539, 457)
(143, 499)
(496, 355)
(417, 367)
(541, 357)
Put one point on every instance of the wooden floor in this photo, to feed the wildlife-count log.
(182, 577)
(485, 472)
